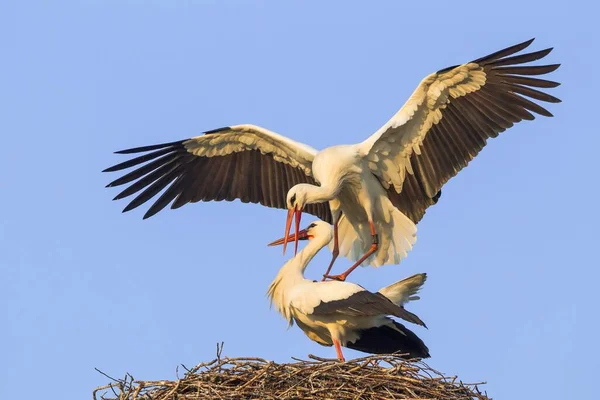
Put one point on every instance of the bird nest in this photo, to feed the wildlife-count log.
(373, 377)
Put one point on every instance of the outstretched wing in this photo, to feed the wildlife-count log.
(448, 119)
(244, 162)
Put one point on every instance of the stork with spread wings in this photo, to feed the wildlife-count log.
(373, 192)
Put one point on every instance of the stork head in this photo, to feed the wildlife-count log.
(297, 196)
(319, 230)
(296, 200)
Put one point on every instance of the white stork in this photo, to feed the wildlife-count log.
(377, 190)
(343, 313)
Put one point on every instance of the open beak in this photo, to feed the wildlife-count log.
(288, 225)
(302, 235)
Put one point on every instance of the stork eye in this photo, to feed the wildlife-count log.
(311, 225)
(293, 199)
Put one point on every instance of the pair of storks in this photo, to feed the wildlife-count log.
(373, 192)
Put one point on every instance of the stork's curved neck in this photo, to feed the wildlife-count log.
(320, 194)
(307, 253)
(291, 274)
(297, 265)
(293, 270)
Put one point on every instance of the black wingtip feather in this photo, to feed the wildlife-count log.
(140, 159)
(129, 207)
(150, 148)
(212, 131)
(519, 59)
(166, 198)
(498, 55)
(151, 190)
(533, 82)
(113, 168)
(504, 52)
(119, 196)
(526, 70)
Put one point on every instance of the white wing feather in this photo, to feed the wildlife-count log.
(306, 296)
(388, 150)
(251, 137)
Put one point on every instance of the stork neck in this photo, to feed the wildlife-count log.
(307, 254)
(292, 273)
(319, 194)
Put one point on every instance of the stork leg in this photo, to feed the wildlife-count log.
(338, 350)
(372, 249)
(336, 249)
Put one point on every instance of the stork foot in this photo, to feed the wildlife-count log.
(341, 277)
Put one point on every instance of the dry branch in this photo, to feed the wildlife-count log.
(373, 377)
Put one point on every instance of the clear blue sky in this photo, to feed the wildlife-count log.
(511, 248)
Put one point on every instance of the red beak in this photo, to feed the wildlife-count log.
(288, 224)
(302, 235)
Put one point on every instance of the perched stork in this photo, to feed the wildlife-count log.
(377, 190)
(343, 313)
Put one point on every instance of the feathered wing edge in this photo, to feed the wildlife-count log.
(448, 120)
(241, 162)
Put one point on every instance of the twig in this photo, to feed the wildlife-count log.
(108, 376)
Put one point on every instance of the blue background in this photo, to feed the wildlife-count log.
(510, 249)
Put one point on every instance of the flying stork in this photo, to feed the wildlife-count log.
(343, 313)
(376, 190)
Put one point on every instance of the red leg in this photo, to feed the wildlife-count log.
(372, 249)
(338, 350)
(336, 249)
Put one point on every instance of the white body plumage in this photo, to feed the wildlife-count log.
(343, 173)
